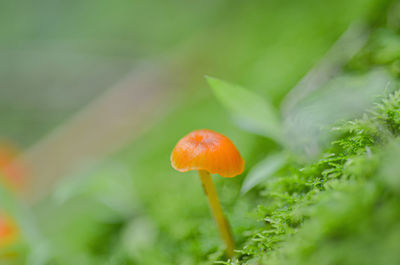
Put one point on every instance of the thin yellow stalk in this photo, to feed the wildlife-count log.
(222, 223)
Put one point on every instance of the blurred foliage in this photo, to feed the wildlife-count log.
(55, 56)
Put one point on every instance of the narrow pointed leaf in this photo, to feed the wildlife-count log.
(252, 112)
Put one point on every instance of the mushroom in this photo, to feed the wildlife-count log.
(210, 152)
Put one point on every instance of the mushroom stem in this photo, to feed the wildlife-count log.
(222, 223)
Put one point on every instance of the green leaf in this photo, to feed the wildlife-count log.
(254, 113)
(263, 170)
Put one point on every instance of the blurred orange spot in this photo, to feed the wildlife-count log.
(207, 150)
(8, 230)
(11, 173)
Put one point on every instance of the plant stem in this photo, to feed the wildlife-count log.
(222, 223)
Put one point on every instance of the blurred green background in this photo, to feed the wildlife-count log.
(125, 204)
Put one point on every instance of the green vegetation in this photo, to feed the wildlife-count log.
(344, 208)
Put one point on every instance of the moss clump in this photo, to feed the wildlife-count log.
(342, 209)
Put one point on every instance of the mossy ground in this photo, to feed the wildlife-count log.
(341, 209)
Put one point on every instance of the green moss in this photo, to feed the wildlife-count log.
(336, 210)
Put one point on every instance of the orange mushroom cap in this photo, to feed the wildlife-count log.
(207, 150)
